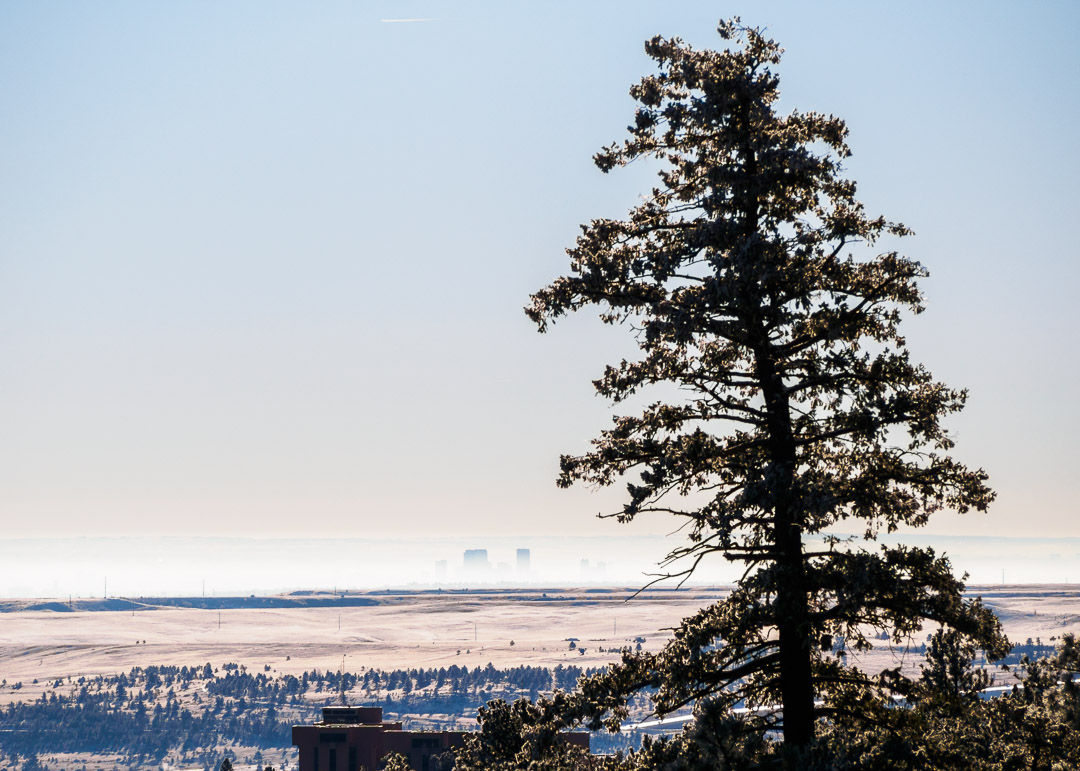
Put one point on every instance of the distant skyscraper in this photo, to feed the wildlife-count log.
(476, 560)
(440, 569)
(524, 559)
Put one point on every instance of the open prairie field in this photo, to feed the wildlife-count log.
(409, 629)
(422, 629)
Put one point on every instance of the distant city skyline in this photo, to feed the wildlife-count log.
(262, 264)
(216, 567)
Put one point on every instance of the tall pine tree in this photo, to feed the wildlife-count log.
(751, 281)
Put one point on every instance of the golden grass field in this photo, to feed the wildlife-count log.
(409, 630)
(405, 630)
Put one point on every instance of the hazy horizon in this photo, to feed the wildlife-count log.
(188, 566)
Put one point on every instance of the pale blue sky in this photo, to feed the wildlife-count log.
(262, 264)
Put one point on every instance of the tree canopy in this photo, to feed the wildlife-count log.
(781, 403)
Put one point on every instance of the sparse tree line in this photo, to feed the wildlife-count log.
(150, 712)
(444, 680)
(144, 714)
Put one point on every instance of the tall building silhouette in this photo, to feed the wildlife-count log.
(476, 559)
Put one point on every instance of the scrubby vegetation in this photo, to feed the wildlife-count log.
(945, 721)
(195, 713)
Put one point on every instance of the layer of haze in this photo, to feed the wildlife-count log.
(262, 264)
(156, 566)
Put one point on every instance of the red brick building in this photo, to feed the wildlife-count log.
(357, 738)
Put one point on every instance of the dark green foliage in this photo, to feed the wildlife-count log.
(787, 403)
(948, 727)
(948, 672)
(444, 761)
(522, 735)
(943, 725)
(714, 740)
(395, 761)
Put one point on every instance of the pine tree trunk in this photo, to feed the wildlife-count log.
(796, 686)
(792, 610)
